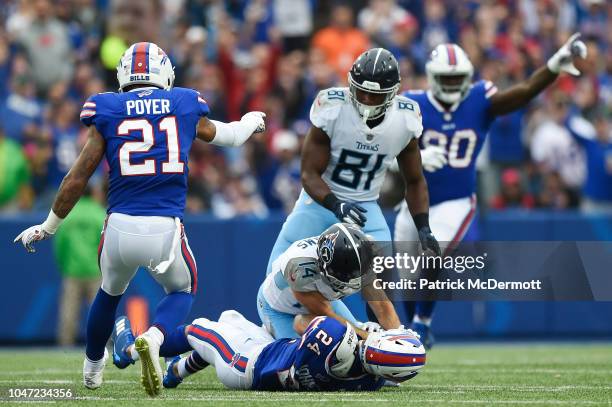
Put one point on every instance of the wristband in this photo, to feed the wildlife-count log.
(52, 223)
(421, 220)
(330, 201)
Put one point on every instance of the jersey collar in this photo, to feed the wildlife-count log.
(439, 106)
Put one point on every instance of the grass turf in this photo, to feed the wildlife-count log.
(475, 374)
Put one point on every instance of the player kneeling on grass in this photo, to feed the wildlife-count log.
(312, 276)
(329, 356)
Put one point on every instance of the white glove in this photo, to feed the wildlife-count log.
(255, 120)
(433, 158)
(371, 327)
(563, 58)
(31, 235)
(39, 232)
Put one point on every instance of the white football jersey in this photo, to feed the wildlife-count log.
(360, 155)
(296, 270)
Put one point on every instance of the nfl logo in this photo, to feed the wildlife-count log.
(369, 137)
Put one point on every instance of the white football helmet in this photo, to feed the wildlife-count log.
(449, 73)
(147, 64)
(395, 355)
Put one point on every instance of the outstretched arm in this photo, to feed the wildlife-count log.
(519, 95)
(232, 134)
(318, 305)
(70, 191)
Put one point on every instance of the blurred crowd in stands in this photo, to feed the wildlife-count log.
(273, 56)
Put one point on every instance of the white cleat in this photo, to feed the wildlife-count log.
(93, 372)
(151, 376)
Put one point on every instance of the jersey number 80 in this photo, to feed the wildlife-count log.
(441, 139)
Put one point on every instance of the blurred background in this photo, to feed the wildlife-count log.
(544, 174)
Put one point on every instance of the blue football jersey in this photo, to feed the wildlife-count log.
(303, 363)
(148, 134)
(461, 131)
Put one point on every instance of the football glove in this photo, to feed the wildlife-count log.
(562, 60)
(39, 232)
(433, 158)
(255, 120)
(371, 327)
(350, 212)
(428, 241)
(32, 234)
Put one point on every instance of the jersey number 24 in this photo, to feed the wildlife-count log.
(167, 125)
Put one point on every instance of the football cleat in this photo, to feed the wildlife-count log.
(93, 372)
(122, 338)
(425, 335)
(151, 373)
(172, 380)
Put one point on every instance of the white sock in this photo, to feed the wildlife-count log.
(133, 354)
(182, 369)
(93, 365)
(156, 335)
(424, 321)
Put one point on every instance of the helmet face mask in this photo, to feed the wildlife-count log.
(449, 73)
(374, 80)
(145, 63)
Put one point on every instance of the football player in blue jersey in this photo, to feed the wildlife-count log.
(145, 132)
(329, 356)
(457, 115)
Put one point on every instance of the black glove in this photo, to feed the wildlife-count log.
(348, 212)
(428, 241)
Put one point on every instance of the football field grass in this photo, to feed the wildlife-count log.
(530, 374)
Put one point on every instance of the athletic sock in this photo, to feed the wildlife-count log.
(133, 354)
(155, 334)
(422, 320)
(100, 323)
(172, 311)
(191, 364)
(424, 309)
(175, 343)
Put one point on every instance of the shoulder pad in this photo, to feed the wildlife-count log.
(412, 114)
(326, 106)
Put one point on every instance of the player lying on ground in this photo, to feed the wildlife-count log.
(356, 134)
(145, 132)
(457, 115)
(313, 275)
(329, 356)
